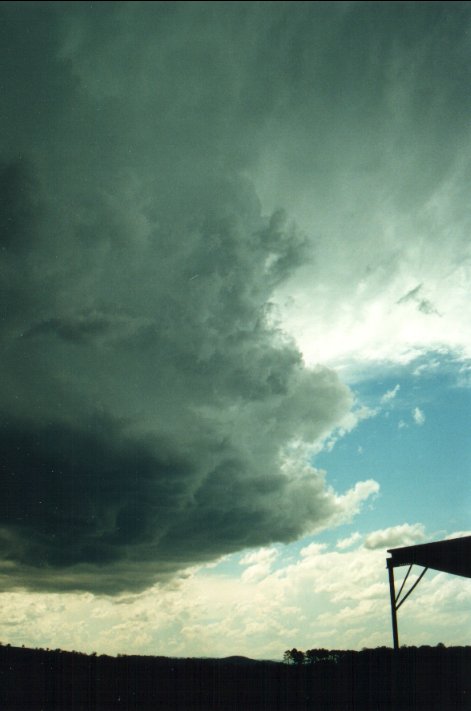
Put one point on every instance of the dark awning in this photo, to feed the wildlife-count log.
(453, 556)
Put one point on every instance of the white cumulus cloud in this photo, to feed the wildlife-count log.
(404, 534)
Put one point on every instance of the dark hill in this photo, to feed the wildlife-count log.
(238, 660)
(428, 678)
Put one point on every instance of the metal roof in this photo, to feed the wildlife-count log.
(452, 556)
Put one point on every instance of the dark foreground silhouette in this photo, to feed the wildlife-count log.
(370, 680)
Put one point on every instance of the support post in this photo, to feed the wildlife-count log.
(392, 594)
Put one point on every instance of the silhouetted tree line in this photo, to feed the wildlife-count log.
(425, 678)
(311, 656)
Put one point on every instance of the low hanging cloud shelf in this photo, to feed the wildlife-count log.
(452, 556)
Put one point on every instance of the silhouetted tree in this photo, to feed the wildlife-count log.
(294, 656)
(317, 655)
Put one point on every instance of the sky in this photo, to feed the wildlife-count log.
(236, 296)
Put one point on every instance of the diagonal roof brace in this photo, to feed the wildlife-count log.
(398, 604)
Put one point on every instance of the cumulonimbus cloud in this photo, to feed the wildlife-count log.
(153, 410)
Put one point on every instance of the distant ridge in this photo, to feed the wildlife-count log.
(239, 659)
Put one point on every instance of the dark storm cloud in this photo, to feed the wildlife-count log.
(149, 397)
(153, 414)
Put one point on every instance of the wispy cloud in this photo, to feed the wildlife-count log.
(349, 541)
(418, 416)
(415, 296)
(390, 395)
